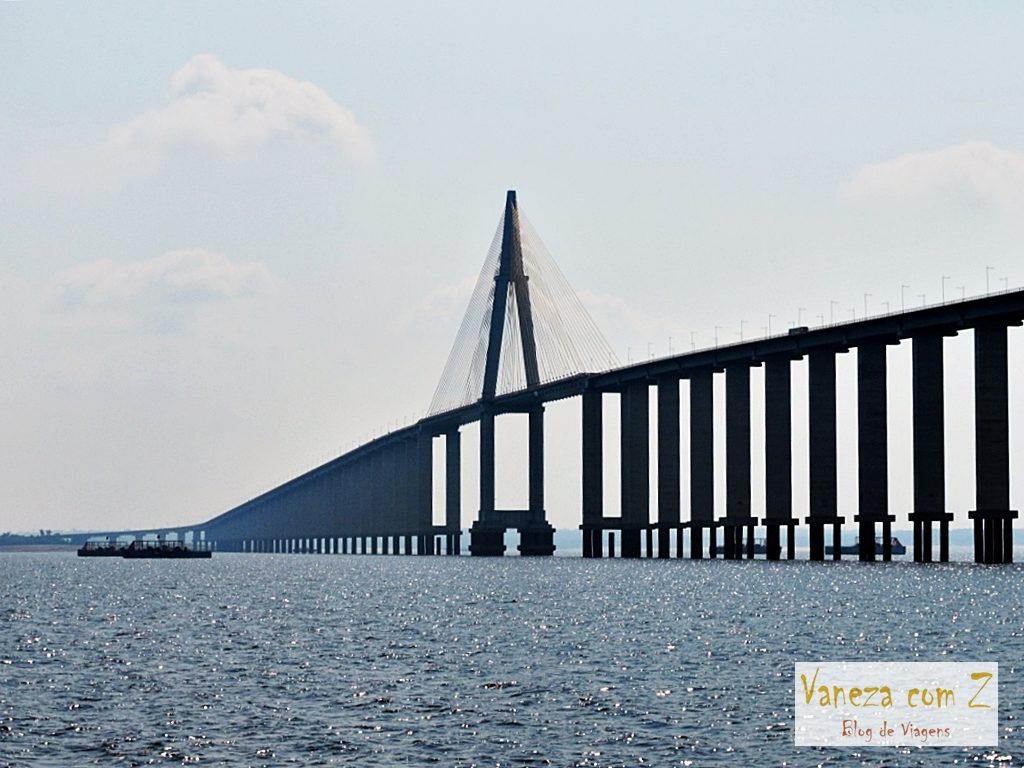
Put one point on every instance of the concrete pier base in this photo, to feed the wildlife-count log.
(631, 542)
(993, 535)
(537, 540)
(486, 542)
(816, 525)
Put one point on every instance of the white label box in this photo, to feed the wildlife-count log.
(888, 704)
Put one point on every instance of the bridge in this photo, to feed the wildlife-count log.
(527, 341)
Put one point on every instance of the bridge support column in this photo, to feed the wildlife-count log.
(487, 537)
(634, 462)
(872, 452)
(702, 467)
(993, 518)
(821, 375)
(778, 456)
(592, 472)
(738, 519)
(668, 461)
(424, 474)
(929, 448)
(536, 536)
(453, 489)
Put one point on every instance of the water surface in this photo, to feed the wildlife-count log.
(382, 661)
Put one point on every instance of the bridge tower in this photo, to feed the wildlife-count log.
(524, 328)
(487, 536)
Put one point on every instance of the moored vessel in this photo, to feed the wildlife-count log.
(898, 547)
(158, 549)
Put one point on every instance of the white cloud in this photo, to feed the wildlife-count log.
(236, 109)
(976, 172)
(181, 275)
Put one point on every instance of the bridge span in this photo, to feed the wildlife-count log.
(524, 344)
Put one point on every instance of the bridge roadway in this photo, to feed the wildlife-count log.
(378, 497)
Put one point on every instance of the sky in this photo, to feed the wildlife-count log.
(237, 239)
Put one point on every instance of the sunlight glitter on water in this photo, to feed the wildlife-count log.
(269, 659)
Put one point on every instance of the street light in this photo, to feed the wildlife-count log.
(717, 329)
(770, 324)
(987, 270)
(866, 296)
(741, 329)
(944, 279)
(903, 297)
(963, 292)
(693, 344)
(831, 313)
(799, 315)
(921, 296)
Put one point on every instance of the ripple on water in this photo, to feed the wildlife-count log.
(265, 660)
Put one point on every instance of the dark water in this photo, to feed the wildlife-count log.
(381, 661)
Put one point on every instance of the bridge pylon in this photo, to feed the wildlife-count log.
(511, 282)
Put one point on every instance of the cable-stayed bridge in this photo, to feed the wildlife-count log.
(526, 340)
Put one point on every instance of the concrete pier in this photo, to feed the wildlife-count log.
(739, 523)
(824, 511)
(778, 458)
(872, 452)
(929, 448)
(592, 472)
(992, 518)
(668, 462)
(453, 490)
(702, 462)
(487, 536)
(635, 465)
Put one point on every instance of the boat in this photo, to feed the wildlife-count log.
(158, 549)
(898, 547)
(105, 548)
